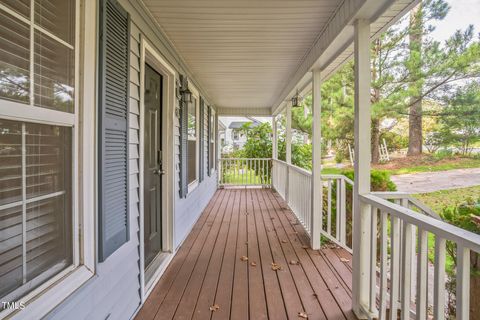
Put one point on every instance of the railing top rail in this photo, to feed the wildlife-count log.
(300, 170)
(245, 159)
(438, 227)
(337, 176)
(404, 195)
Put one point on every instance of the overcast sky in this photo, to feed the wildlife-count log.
(462, 13)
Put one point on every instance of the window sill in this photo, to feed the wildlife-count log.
(192, 186)
(49, 295)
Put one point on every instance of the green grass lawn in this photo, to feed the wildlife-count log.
(439, 200)
(240, 176)
(417, 165)
(448, 198)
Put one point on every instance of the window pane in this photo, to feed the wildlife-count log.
(19, 6)
(192, 161)
(192, 121)
(47, 235)
(192, 140)
(14, 59)
(54, 74)
(49, 159)
(10, 161)
(11, 269)
(57, 17)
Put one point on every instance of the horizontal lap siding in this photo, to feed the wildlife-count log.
(115, 291)
(188, 210)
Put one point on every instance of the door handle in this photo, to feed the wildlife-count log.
(159, 172)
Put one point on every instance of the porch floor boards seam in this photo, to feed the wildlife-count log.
(208, 269)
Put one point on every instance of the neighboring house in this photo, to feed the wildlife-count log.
(109, 151)
(235, 137)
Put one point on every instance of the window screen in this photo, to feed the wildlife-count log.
(35, 204)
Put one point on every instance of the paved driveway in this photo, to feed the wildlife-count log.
(434, 181)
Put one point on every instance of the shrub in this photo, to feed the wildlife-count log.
(380, 180)
(443, 154)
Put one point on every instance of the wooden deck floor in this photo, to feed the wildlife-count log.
(208, 272)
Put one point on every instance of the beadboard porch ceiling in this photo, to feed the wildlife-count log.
(245, 53)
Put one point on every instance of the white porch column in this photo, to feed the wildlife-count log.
(317, 188)
(288, 150)
(361, 212)
(274, 138)
(288, 135)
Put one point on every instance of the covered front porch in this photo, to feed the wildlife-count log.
(248, 257)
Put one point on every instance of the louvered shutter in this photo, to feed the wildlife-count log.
(183, 187)
(201, 156)
(113, 127)
(209, 138)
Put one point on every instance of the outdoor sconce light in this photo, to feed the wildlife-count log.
(187, 95)
(296, 100)
(185, 92)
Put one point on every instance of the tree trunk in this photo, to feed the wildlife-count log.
(375, 141)
(415, 136)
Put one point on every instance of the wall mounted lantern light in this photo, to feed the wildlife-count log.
(186, 93)
(296, 100)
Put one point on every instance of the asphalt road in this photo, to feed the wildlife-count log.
(433, 181)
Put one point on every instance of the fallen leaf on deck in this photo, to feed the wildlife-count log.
(214, 308)
(344, 260)
(253, 264)
(244, 258)
(303, 315)
(276, 267)
(284, 241)
(294, 262)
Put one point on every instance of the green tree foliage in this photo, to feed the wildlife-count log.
(465, 216)
(460, 118)
(407, 67)
(259, 141)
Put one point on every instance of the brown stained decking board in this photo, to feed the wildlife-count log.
(208, 270)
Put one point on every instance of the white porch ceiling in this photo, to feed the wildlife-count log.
(242, 52)
(248, 56)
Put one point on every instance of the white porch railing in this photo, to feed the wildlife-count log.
(245, 172)
(399, 249)
(294, 184)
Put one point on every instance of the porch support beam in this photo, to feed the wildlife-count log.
(288, 150)
(362, 130)
(274, 138)
(288, 134)
(317, 188)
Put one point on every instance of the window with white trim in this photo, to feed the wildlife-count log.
(193, 140)
(37, 164)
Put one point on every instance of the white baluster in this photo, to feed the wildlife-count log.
(383, 264)
(394, 266)
(463, 283)
(406, 270)
(439, 279)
